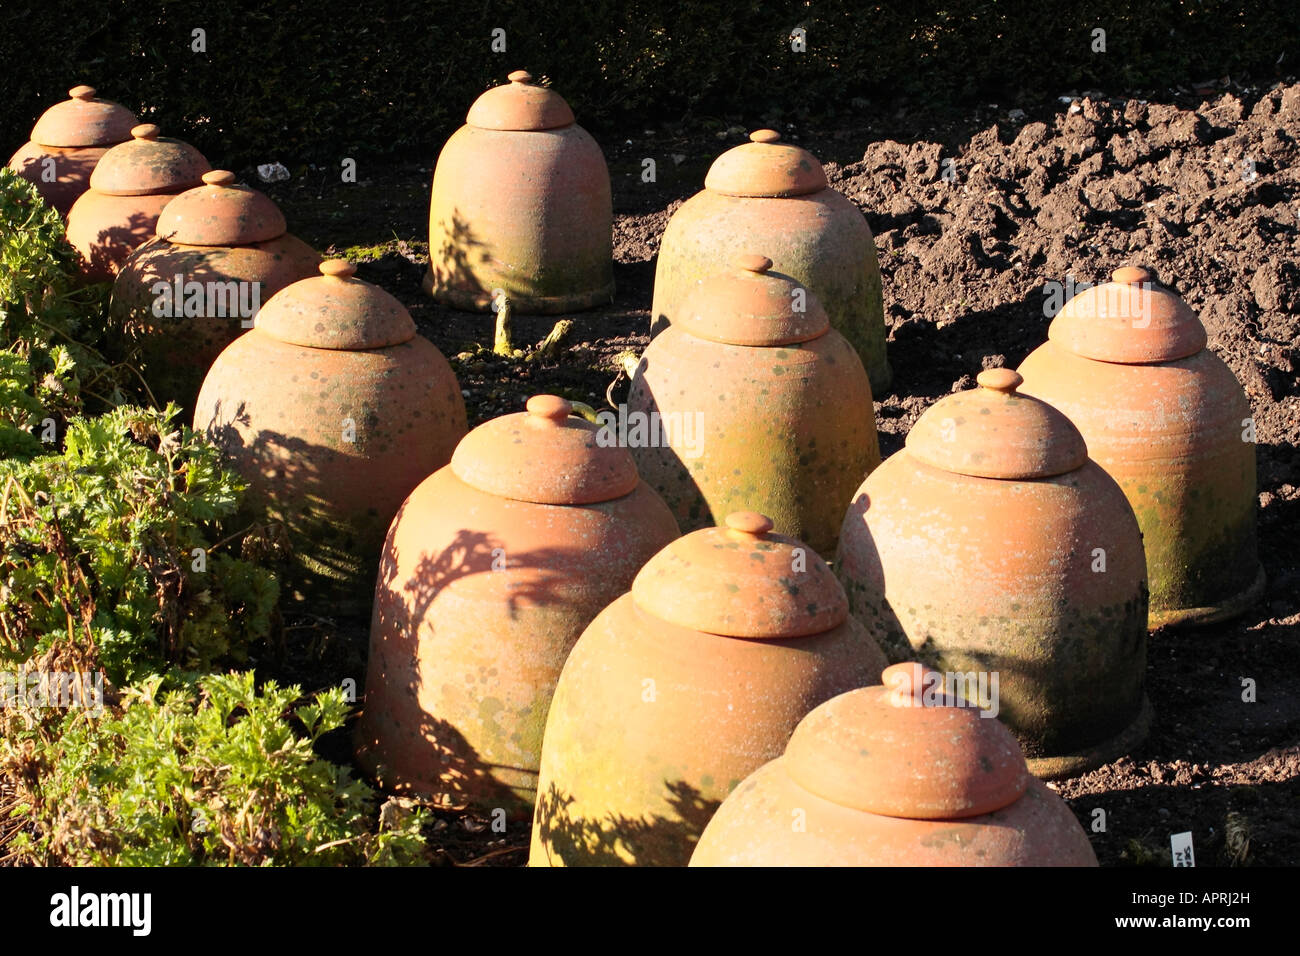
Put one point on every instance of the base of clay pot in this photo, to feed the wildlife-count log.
(468, 301)
(517, 802)
(1125, 742)
(1201, 616)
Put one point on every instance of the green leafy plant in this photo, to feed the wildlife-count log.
(20, 409)
(51, 327)
(111, 552)
(213, 773)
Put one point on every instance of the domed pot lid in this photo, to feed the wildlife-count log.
(544, 455)
(766, 167)
(751, 305)
(994, 432)
(520, 105)
(1131, 320)
(742, 580)
(220, 213)
(336, 311)
(148, 164)
(905, 750)
(83, 120)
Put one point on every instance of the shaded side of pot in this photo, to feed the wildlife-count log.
(479, 600)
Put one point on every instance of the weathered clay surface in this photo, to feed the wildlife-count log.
(772, 410)
(220, 253)
(72, 169)
(177, 350)
(523, 207)
(655, 721)
(895, 776)
(129, 188)
(753, 828)
(1049, 571)
(481, 595)
(819, 238)
(73, 135)
(332, 439)
(1170, 422)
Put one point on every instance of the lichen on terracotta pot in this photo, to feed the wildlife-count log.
(753, 400)
(773, 196)
(895, 776)
(992, 544)
(131, 185)
(220, 252)
(522, 207)
(684, 686)
(333, 409)
(1127, 362)
(493, 567)
(67, 142)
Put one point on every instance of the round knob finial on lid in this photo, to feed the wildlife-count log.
(993, 432)
(1003, 380)
(765, 167)
(1131, 320)
(335, 311)
(544, 455)
(1131, 275)
(551, 409)
(82, 120)
(753, 263)
(748, 525)
(520, 105)
(742, 579)
(218, 177)
(898, 751)
(751, 305)
(338, 269)
(146, 131)
(906, 684)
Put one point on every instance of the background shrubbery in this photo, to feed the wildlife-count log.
(297, 81)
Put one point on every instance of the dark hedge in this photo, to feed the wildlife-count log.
(298, 81)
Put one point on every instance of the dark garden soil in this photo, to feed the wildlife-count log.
(1200, 186)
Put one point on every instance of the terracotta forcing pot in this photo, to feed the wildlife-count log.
(1167, 419)
(492, 569)
(773, 196)
(221, 251)
(684, 686)
(992, 544)
(128, 190)
(751, 398)
(67, 141)
(333, 409)
(887, 776)
(521, 203)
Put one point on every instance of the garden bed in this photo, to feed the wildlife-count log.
(1200, 186)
